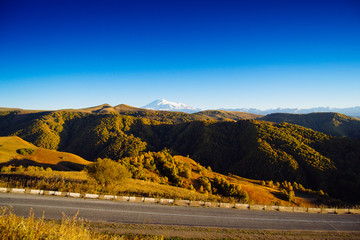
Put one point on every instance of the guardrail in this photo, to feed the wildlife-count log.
(181, 202)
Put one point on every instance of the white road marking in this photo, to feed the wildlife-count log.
(187, 215)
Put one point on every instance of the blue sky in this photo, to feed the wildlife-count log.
(208, 54)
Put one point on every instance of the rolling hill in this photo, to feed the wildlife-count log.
(248, 148)
(10, 155)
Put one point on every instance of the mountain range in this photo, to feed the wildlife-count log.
(165, 105)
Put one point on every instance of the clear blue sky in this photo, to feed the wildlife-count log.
(208, 54)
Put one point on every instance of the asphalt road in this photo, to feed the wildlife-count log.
(143, 213)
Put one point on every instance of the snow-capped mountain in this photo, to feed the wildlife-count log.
(165, 105)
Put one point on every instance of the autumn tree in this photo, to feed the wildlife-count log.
(106, 172)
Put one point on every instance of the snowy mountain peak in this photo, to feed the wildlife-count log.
(165, 105)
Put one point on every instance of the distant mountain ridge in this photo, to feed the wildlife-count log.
(352, 111)
(165, 105)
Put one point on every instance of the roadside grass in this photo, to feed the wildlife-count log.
(150, 189)
(71, 175)
(15, 227)
(78, 182)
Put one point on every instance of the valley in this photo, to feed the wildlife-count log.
(233, 144)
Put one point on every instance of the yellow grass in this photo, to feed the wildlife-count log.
(73, 175)
(258, 194)
(9, 145)
(47, 156)
(139, 187)
(15, 227)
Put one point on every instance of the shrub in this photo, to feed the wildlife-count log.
(106, 172)
(205, 183)
(227, 189)
(291, 197)
(270, 183)
(6, 169)
(20, 168)
(287, 196)
(25, 151)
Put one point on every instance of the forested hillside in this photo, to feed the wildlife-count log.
(334, 124)
(249, 148)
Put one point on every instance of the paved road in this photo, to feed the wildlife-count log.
(144, 213)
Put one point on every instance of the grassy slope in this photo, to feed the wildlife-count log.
(9, 145)
(63, 160)
(258, 194)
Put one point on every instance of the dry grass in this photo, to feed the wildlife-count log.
(9, 145)
(47, 156)
(71, 175)
(258, 194)
(144, 188)
(77, 182)
(15, 227)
